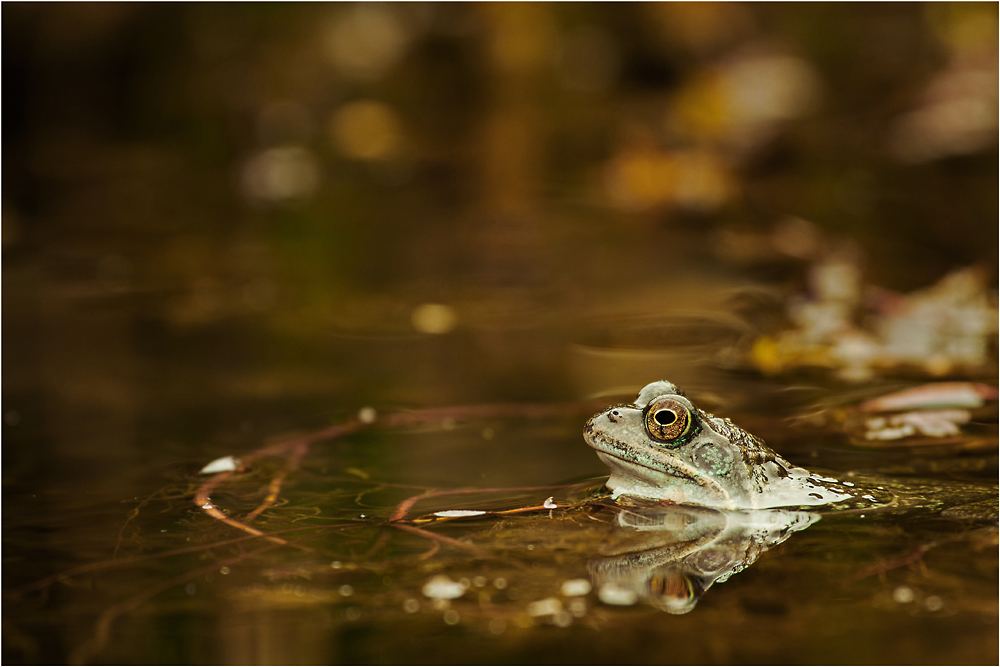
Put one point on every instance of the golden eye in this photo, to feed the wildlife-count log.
(669, 421)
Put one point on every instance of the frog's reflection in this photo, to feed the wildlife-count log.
(670, 555)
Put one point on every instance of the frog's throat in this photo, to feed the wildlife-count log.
(677, 468)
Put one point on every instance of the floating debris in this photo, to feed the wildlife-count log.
(903, 594)
(578, 607)
(454, 513)
(575, 587)
(546, 607)
(441, 587)
(947, 327)
(933, 395)
(367, 415)
(932, 423)
(224, 464)
(616, 595)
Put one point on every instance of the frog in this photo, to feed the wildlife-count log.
(662, 447)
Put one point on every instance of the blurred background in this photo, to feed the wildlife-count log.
(221, 222)
(219, 215)
(243, 218)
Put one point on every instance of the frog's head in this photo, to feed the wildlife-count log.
(663, 447)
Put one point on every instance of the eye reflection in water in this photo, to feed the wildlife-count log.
(668, 556)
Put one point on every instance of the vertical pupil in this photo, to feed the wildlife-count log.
(665, 417)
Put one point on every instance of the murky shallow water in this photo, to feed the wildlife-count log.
(152, 578)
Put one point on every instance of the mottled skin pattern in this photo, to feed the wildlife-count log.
(663, 447)
(753, 450)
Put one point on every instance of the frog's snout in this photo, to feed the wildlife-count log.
(613, 416)
(588, 430)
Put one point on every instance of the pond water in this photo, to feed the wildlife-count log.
(395, 282)
(113, 562)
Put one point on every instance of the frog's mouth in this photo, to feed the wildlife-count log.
(618, 455)
(671, 470)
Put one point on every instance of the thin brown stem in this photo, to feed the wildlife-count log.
(450, 541)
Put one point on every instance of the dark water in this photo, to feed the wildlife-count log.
(222, 230)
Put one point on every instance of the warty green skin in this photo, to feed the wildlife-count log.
(722, 466)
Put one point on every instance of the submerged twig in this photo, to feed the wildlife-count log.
(131, 515)
(458, 544)
(895, 563)
(295, 449)
(274, 488)
(403, 508)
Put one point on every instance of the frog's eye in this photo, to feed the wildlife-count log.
(670, 421)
